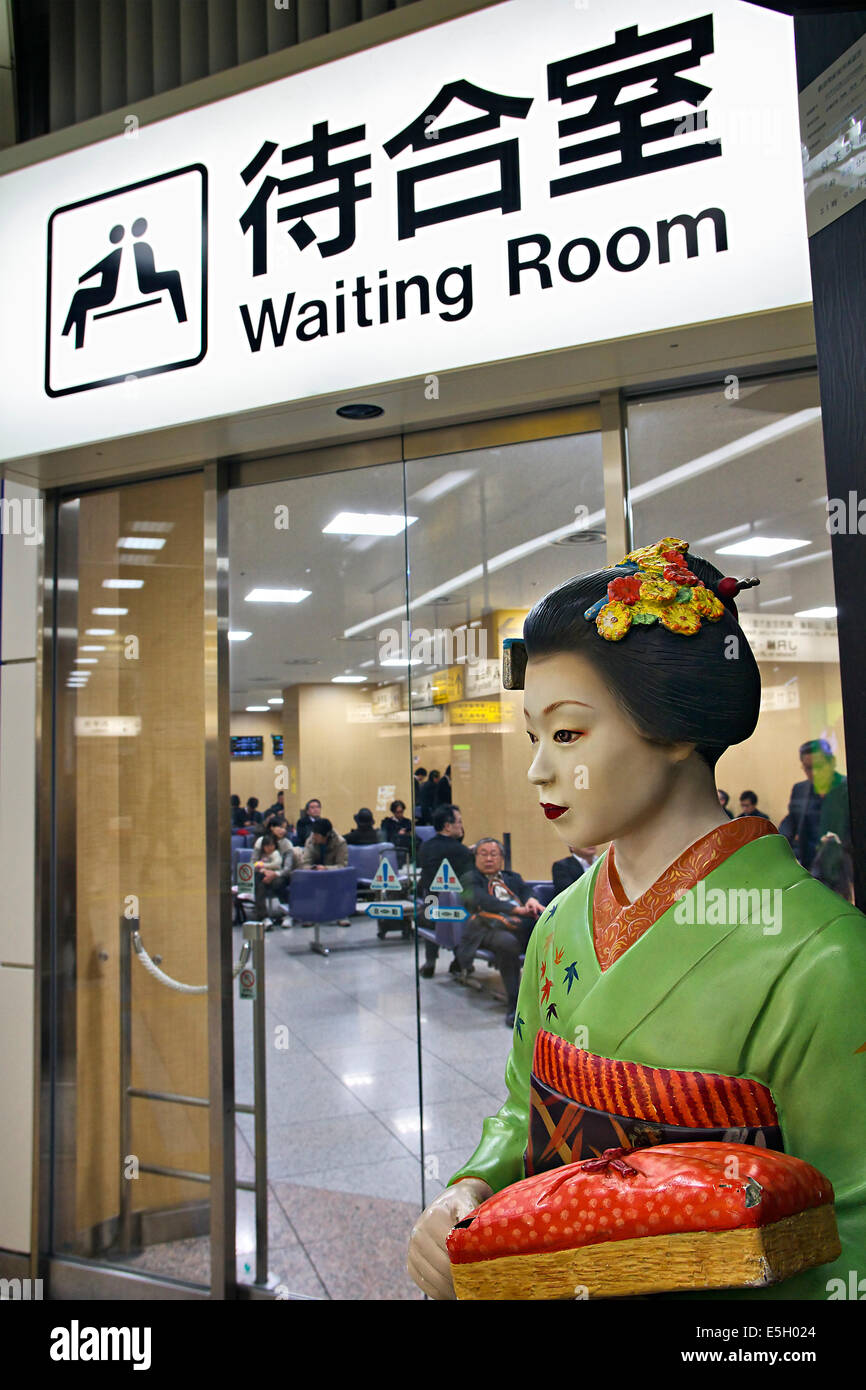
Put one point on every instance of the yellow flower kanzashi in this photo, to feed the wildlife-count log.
(656, 586)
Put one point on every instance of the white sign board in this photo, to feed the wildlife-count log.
(791, 639)
(525, 178)
(776, 697)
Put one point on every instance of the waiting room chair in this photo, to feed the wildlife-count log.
(323, 895)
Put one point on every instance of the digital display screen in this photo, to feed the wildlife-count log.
(277, 744)
(247, 746)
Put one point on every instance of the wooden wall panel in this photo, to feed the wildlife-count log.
(141, 829)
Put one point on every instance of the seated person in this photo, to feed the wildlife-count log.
(279, 806)
(503, 915)
(749, 806)
(568, 870)
(254, 815)
(268, 865)
(325, 849)
(445, 844)
(307, 819)
(239, 815)
(274, 882)
(365, 829)
(397, 828)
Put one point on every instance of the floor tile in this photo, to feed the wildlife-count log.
(397, 1178)
(446, 1124)
(316, 1143)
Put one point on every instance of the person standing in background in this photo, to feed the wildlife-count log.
(427, 800)
(723, 802)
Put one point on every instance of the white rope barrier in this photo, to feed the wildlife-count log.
(153, 969)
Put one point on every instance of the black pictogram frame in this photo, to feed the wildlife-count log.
(149, 371)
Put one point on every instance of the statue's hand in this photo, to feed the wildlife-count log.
(429, 1264)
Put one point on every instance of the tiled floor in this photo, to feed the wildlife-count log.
(344, 1127)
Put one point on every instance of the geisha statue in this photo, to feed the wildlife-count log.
(697, 985)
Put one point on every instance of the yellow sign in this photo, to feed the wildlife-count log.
(475, 712)
(447, 685)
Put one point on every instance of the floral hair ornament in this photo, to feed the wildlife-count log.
(655, 585)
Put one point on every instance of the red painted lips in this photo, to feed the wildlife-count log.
(552, 811)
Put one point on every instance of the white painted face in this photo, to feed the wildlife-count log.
(598, 777)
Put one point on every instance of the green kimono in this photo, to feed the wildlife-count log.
(782, 1003)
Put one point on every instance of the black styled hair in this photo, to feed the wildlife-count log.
(441, 817)
(236, 801)
(749, 796)
(703, 689)
(253, 801)
(420, 772)
(395, 804)
(364, 816)
(317, 799)
(323, 827)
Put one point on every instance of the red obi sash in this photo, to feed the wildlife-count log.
(582, 1104)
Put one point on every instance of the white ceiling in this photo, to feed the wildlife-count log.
(513, 498)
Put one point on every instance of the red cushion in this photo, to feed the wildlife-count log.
(665, 1190)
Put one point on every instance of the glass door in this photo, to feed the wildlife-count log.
(131, 1165)
(321, 760)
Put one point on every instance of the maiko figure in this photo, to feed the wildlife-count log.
(698, 983)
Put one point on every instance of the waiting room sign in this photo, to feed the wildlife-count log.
(530, 177)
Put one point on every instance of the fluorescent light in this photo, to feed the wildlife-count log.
(739, 448)
(276, 701)
(348, 680)
(371, 662)
(367, 524)
(257, 709)
(86, 660)
(826, 612)
(397, 661)
(802, 560)
(769, 602)
(91, 649)
(762, 546)
(109, 612)
(158, 526)
(123, 583)
(277, 595)
(718, 536)
(447, 483)
(140, 543)
(101, 632)
(239, 635)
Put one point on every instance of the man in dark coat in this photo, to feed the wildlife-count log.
(568, 870)
(445, 844)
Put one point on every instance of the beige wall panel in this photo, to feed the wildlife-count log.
(16, 1106)
(249, 776)
(141, 832)
(768, 763)
(343, 762)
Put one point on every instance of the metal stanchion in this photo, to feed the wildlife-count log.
(254, 943)
(256, 935)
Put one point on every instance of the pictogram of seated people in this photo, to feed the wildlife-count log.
(150, 282)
